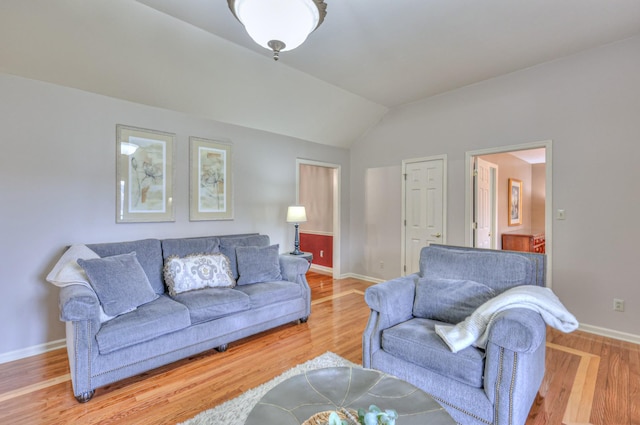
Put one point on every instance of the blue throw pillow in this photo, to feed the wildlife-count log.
(258, 264)
(119, 282)
(449, 300)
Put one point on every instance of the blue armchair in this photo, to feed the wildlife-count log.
(496, 385)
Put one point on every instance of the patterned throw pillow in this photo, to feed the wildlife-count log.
(197, 271)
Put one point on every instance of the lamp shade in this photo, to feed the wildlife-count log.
(286, 21)
(296, 214)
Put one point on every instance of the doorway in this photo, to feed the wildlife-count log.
(318, 189)
(534, 176)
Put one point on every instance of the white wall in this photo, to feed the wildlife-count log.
(589, 105)
(57, 185)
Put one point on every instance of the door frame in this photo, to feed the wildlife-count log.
(493, 176)
(336, 205)
(403, 216)
(548, 206)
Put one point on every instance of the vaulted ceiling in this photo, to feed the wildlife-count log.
(368, 56)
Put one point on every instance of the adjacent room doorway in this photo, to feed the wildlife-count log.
(318, 189)
(486, 206)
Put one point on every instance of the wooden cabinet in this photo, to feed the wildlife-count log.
(527, 241)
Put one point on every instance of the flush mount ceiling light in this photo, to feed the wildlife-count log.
(279, 25)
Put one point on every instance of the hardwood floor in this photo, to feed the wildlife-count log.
(589, 379)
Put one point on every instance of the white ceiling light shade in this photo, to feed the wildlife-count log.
(279, 25)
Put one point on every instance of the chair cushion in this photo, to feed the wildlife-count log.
(258, 264)
(228, 247)
(266, 293)
(211, 303)
(148, 321)
(415, 341)
(119, 282)
(449, 300)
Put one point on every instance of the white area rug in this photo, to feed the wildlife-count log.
(236, 411)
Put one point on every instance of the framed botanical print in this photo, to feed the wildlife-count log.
(144, 175)
(210, 180)
(515, 202)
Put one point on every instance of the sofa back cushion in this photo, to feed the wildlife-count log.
(188, 246)
(228, 247)
(148, 253)
(499, 270)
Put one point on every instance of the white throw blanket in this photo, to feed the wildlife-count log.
(474, 330)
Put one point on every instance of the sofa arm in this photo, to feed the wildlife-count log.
(77, 303)
(518, 329)
(393, 299)
(293, 267)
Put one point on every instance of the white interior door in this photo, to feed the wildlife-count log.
(424, 209)
(485, 175)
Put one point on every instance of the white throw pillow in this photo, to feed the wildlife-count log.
(197, 271)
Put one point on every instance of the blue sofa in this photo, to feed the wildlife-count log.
(495, 385)
(172, 327)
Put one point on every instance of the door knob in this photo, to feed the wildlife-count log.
(437, 235)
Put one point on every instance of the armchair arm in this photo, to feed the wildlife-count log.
(515, 363)
(393, 300)
(518, 330)
(77, 303)
(391, 303)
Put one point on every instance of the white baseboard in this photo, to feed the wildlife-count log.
(322, 269)
(361, 277)
(610, 333)
(32, 351)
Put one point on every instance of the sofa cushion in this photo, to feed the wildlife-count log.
(228, 247)
(258, 264)
(211, 303)
(449, 300)
(119, 282)
(187, 246)
(415, 341)
(261, 294)
(197, 271)
(496, 269)
(148, 321)
(149, 255)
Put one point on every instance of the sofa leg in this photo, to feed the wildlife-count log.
(303, 319)
(84, 397)
(222, 348)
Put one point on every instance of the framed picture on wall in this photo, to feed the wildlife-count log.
(210, 180)
(144, 175)
(515, 202)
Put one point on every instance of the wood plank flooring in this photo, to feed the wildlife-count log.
(589, 380)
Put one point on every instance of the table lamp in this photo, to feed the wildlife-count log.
(296, 214)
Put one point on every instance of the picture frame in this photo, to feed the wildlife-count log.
(515, 202)
(210, 182)
(144, 175)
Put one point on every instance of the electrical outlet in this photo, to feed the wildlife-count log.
(321, 254)
(618, 304)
